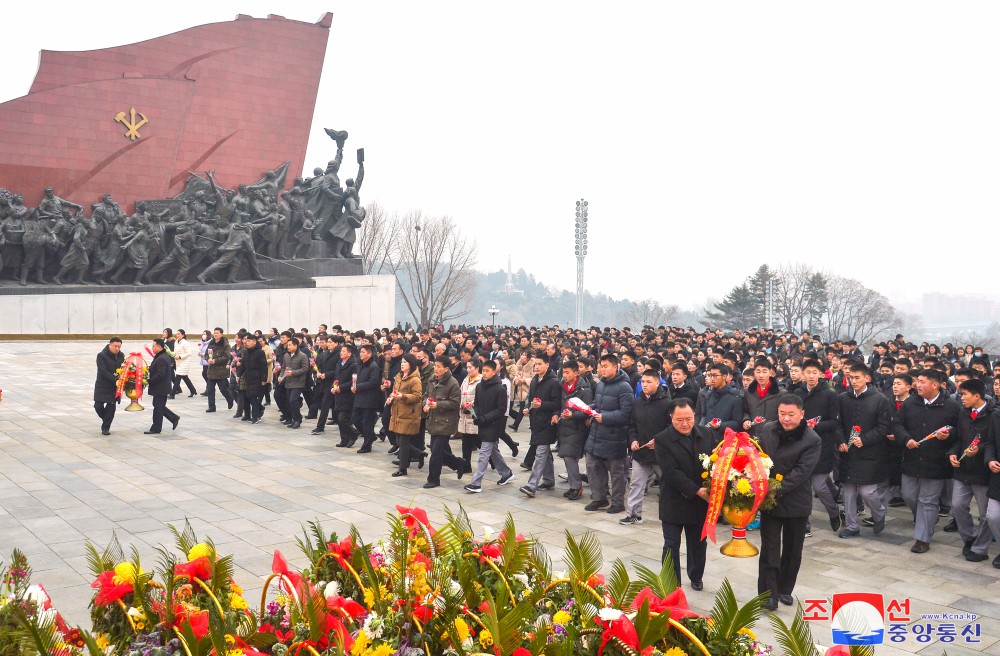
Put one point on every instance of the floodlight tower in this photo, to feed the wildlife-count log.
(581, 253)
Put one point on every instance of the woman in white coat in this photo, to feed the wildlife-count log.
(184, 353)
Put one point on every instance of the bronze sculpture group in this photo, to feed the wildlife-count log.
(206, 233)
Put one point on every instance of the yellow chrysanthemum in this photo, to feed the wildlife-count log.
(125, 573)
(199, 550)
(102, 641)
(743, 486)
(674, 651)
(561, 618)
(704, 474)
(461, 629)
(714, 457)
(779, 477)
(235, 587)
(360, 644)
(382, 650)
(369, 598)
(281, 600)
(236, 602)
(485, 639)
(747, 632)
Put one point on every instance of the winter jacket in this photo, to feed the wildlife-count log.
(754, 406)
(369, 395)
(107, 380)
(991, 452)
(183, 354)
(294, 369)
(160, 380)
(490, 404)
(867, 464)
(345, 370)
(468, 388)
(220, 354)
(794, 454)
(687, 391)
(679, 457)
(406, 409)
(824, 403)
(916, 420)
(547, 389)
(443, 420)
(255, 371)
(573, 431)
(326, 364)
(650, 416)
(972, 469)
(613, 400)
(724, 405)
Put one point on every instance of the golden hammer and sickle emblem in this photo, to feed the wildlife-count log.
(133, 127)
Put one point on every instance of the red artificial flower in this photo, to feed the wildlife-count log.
(266, 628)
(674, 603)
(484, 607)
(740, 461)
(595, 580)
(493, 550)
(284, 636)
(623, 629)
(415, 515)
(521, 651)
(280, 566)
(341, 550)
(108, 592)
(423, 614)
(197, 620)
(838, 650)
(423, 560)
(349, 607)
(199, 568)
(856, 429)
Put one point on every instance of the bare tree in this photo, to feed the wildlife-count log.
(857, 312)
(433, 263)
(989, 340)
(376, 239)
(792, 296)
(650, 312)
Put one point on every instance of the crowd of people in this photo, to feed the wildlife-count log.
(904, 425)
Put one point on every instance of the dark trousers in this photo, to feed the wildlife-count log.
(405, 448)
(160, 410)
(364, 419)
(347, 433)
(470, 445)
(293, 402)
(204, 373)
(529, 456)
(781, 540)
(517, 415)
(223, 386)
(106, 411)
(254, 405)
(696, 549)
(441, 456)
(281, 399)
(326, 400)
(187, 381)
(241, 401)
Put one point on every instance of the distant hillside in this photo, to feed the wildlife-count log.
(539, 304)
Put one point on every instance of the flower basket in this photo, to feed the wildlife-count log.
(132, 379)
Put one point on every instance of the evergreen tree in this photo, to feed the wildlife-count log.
(758, 286)
(817, 301)
(739, 309)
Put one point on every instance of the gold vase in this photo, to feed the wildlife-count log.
(134, 405)
(738, 546)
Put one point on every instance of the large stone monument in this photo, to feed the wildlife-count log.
(134, 255)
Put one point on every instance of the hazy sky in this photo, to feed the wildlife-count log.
(708, 137)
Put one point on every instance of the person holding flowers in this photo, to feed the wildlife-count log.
(405, 404)
(161, 382)
(971, 475)
(109, 360)
(924, 426)
(794, 448)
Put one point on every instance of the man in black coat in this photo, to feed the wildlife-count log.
(255, 377)
(108, 361)
(607, 444)
(368, 397)
(326, 373)
(650, 416)
(545, 400)
(863, 457)
(490, 416)
(343, 405)
(760, 402)
(972, 476)
(794, 448)
(822, 410)
(926, 469)
(683, 495)
(160, 384)
(679, 386)
(721, 406)
(573, 426)
(991, 454)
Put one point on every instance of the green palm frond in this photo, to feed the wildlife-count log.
(185, 539)
(102, 561)
(729, 616)
(794, 640)
(141, 585)
(513, 625)
(618, 584)
(516, 554)
(661, 583)
(454, 532)
(165, 564)
(869, 650)
(95, 561)
(541, 561)
(33, 632)
(222, 572)
(92, 648)
(583, 558)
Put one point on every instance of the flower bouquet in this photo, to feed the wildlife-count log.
(739, 475)
(132, 379)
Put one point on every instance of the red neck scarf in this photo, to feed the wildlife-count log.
(762, 391)
(570, 388)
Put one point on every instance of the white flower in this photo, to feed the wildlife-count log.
(523, 578)
(134, 612)
(561, 574)
(455, 586)
(609, 614)
(36, 593)
(488, 532)
(332, 589)
(767, 462)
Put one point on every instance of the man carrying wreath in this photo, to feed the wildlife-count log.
(794, 448)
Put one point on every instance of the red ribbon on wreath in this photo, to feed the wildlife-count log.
(736, 451)
(132, 368)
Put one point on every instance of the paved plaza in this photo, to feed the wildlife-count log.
(250, 488)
